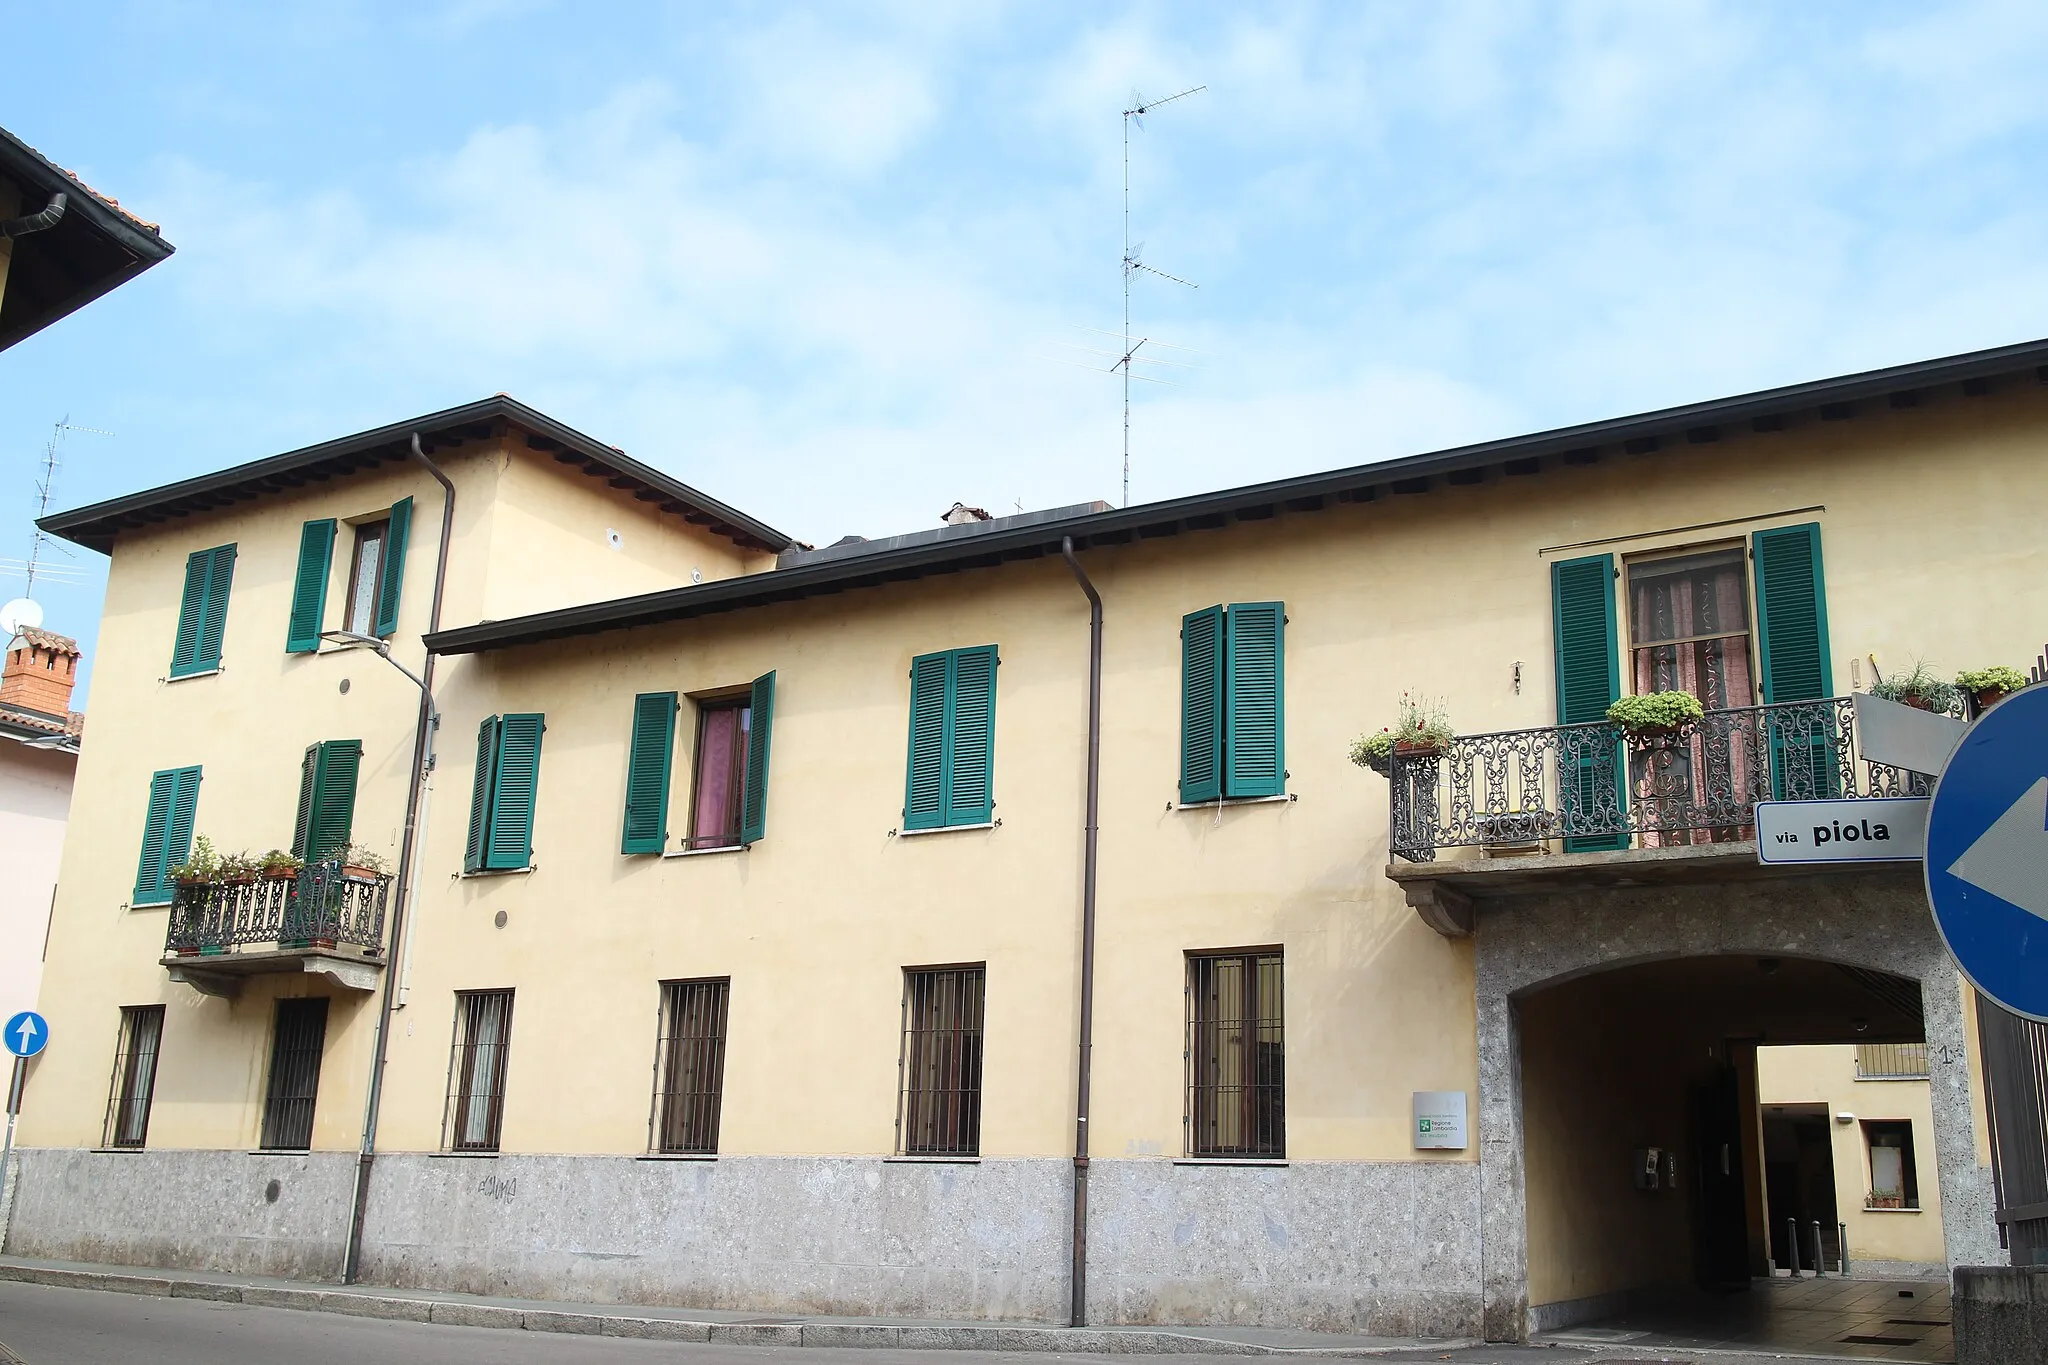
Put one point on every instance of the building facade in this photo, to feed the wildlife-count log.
(747, 939)
(36, 769)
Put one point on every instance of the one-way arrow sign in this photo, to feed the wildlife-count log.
(26, 1034)
(1987, 853)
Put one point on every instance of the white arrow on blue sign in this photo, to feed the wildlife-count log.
(26, 1034)
(1987, 853)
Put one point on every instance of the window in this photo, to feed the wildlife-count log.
(327, 799)
(135, 1053)
(376, 577)
(689, 1065)
(365, 572)
(1689, 627)
(1891, 1061)
(296, 1042)
(203, 611)
(939, 1111)
(952, 739)
(729, 786)
(1894, 1184)
(476, 1071)
(166, 833)
(1237, 1096)
(721, 769)
(506, 783)
(1232, 736)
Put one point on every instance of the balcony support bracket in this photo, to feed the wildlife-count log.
(223, 976)
(1443, 908)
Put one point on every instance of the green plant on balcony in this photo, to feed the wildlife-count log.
(1656, 713)
(358, 861)
(1988, 685)
(201, 865)
(1421, 729)
(1920, 687)
(278, 865)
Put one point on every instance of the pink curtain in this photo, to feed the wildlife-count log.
(714, 822)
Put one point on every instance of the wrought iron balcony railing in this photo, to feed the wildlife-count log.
(321, 907)
(1593, 788)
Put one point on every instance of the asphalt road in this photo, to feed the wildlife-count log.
(41, 1325)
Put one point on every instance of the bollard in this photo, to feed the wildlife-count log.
(1820, 1253)
(1792, 1244)
(1842, 1241)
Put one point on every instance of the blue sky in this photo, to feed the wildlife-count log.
(832, 264)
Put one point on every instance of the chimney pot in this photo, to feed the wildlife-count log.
(40, 671)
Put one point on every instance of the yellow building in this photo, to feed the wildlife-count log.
(759, 893)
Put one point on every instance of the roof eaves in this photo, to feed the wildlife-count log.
(1360, 483)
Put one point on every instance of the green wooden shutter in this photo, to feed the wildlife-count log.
(513, 791)
(1588, 682)
(647, 772)
(390, 583)
(333, 815)
(220, 576)
(309, 589)
(166, 832)
(309, 781)
(191, 613)
(1792, 614)
(1201, 705)
(760, 730)
(480, 794)
(971, 737)
(1792, 636)
(1255, 738)
(924, 799)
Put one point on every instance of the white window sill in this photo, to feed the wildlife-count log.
(931, 1161)
(188, 677)
(495, 872)
(1238, 801)
(944, 829)
(677, 1156)
(1229, 1161)
(701, 852)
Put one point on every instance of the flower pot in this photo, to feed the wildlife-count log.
(1417, 749)
(1652, 734)
(188, 951)
(1917, 703)
(280, 874)
(1990, 697)
(357, 872)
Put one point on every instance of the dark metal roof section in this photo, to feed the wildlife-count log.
(96, 527)
(873, 563)
(94, 246)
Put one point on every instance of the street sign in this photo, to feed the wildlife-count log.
(26, 1034)
(1987, 853)
(1885, 829)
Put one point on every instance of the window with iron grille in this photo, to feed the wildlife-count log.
(689, 1065)
(1237, 1096)
(135, 1054)
(939, 1110)
(296, 1042)
(476, 1071)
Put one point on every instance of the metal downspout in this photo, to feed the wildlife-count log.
(422, 758)
(1080, 1267)
(34, 222)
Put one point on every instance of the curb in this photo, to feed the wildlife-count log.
(879, 1336)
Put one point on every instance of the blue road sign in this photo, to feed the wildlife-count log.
(1987, 853)
(27, 1034)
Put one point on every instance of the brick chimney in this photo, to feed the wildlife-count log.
(41, 668)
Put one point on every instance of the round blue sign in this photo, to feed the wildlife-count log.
(27, 1034)
(1987, 853)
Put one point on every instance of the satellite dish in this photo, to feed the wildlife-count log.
(23, 613)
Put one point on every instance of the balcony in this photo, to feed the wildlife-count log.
(1592, 805)
(323, 919)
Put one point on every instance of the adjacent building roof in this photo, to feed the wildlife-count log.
(98, 526)
(839, 568)
(95, 246)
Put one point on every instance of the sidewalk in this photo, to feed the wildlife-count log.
(703, 1324)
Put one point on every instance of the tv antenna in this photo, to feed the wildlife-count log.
(1133, 263)
(25, 611)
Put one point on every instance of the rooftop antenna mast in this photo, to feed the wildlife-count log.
(25, 610)
(1140, 107)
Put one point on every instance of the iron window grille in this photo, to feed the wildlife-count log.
(1236, 1062)
(689, 1066)
(476, 1071)
(296, 1043)
(938, 1110)
(134, 1081)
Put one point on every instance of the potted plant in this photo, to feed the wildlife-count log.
(238, 869)
(1421, 730)
(1989, 685)
(280, 866)
(201, 865)
(362, 863)
(1374, 751)
(1655, 715)
(1920, 688)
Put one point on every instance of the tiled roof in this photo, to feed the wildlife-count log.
(47, 639)
(73, 724)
